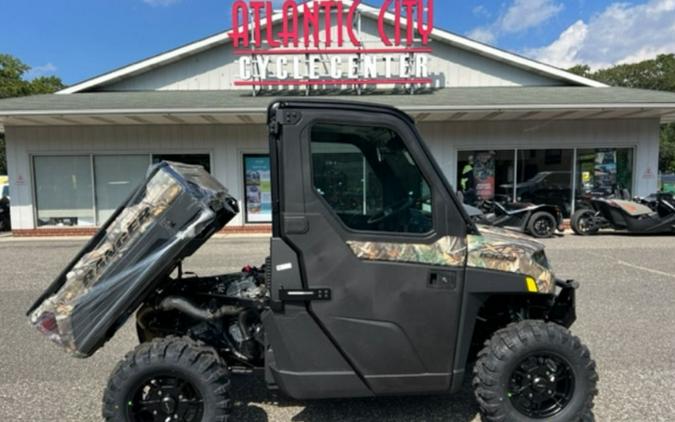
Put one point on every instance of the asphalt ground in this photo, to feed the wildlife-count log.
(626, 309)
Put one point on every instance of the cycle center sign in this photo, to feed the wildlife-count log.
(320, 43)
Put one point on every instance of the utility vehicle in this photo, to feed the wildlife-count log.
(397, 293)
(653, 215)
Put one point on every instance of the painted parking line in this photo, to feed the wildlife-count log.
(633, 266)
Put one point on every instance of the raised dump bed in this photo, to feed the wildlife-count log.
(166, 219)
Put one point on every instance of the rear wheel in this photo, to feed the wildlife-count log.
(534, 370)
(583, 222)
(171, 378)
(542, 225)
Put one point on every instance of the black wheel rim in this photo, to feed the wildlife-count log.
(585, 224)
(164, 398)
(543, 227)
(541, 386)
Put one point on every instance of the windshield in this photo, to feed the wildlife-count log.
(5, 191)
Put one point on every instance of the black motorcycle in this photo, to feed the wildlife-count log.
(540, 221)
(651, 215)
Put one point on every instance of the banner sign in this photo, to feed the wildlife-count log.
(258, 184)
(484, 175)
(318, 43)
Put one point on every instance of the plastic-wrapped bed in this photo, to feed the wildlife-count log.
(167, 219)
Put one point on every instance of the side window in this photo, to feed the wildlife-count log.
(369, 179)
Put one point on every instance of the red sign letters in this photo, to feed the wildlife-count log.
(253, 24)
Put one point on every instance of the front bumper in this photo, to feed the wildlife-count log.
(563, 311)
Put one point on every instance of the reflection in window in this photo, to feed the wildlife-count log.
(545, 177)
(486, 176)
(604, 172)
(369, 179)
(63, 191)
(116, 177)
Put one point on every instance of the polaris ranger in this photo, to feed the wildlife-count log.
(377, 284)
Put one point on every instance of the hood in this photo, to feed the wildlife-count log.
(503, 250)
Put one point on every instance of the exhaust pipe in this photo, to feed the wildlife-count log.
(183, 305)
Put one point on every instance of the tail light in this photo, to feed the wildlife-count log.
(48, 326)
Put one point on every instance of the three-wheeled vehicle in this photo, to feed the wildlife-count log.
(541, 221)
(651, 216)
(397, 293)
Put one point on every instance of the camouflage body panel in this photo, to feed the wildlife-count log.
(446, 252)
(503, 250)
(493, 249)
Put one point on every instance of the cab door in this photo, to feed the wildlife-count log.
(378, 233)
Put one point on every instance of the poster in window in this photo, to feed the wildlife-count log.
(484, 175)
(605, 171)
(258, 187)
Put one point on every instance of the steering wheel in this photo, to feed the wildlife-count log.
(388, 212)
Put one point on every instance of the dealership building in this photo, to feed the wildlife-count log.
(499, 125)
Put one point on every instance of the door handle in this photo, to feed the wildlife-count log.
(442, 280)
(305, 295)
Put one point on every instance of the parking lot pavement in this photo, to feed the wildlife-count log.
(626, 316)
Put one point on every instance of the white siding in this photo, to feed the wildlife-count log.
(227, 144)
(218, 68)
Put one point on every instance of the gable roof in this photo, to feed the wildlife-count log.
(367, 11)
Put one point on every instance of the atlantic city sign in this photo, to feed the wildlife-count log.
(321, 43)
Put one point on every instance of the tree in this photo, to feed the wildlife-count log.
(667, 157)
(14, 84)
(658, 74)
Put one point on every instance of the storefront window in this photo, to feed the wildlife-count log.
(258, 188)
(85, 190)
(486, 175)
(203, 160)
(116, 177)
(604, 172)
(63, 191)
(545, 177)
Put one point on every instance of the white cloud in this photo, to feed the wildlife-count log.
(563, 51)
(481, 11)
(622, 33)
(520, 16)
(44, 70)
(156, 3)
(526, 14)
(484, 35)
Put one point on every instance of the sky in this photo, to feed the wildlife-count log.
(78, 39)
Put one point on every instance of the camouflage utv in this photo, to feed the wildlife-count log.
(377, 284)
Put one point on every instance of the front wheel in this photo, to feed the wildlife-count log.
(171, 378)
(583, 222)
(542, 225)
(534, 370)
